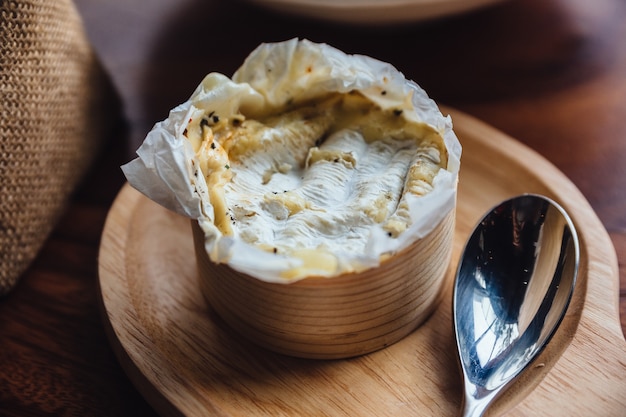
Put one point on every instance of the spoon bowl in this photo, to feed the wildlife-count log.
(513, 285)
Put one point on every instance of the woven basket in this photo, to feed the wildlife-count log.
(52, 122)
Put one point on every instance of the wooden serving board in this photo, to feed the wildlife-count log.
(186, 361)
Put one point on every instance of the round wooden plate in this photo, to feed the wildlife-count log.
(186, 361)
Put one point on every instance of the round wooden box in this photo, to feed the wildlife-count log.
(331, 318)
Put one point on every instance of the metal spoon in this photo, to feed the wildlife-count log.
(513, 285)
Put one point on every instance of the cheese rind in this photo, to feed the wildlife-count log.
(309, 162)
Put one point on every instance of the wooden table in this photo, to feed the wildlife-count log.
(551, 74)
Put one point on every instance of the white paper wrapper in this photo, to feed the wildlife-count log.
(270, 78)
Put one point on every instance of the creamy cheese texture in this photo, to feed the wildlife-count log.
(307, 162)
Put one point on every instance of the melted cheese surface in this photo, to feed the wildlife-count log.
(312, 181)
(307, 162)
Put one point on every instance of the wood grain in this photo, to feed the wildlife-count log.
(187, 361)
(321, 318)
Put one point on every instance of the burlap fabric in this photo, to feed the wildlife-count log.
(52, 93)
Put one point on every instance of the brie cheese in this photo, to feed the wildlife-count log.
(308, 162)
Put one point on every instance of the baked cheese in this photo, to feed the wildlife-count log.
(308, 162)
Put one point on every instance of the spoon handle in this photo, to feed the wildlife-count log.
(474, 408)
(475, 404)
